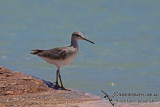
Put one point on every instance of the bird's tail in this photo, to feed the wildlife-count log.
(36, 51)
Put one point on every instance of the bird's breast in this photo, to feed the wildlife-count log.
(69, 59)
(61, 62)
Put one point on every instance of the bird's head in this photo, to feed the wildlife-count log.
(79, 36)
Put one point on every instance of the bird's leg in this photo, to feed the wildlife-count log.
(57, 73)
(60, 80)
(62, 83)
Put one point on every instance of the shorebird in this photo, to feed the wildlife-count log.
(61, 56)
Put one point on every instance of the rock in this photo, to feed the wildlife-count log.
(22, 90)
(15, 83)
(2, 105)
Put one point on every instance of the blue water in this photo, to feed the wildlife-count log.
(126, 54)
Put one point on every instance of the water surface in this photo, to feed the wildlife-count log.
(125, 57)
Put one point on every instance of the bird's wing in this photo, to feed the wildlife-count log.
(56, 53)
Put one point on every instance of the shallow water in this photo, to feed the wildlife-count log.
(125, 57)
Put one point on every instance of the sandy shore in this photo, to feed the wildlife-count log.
(22, 90)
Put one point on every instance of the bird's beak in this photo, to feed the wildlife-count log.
(87, 40)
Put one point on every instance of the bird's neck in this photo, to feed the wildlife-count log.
(74, 43)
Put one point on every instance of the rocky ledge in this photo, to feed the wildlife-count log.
(22, 90)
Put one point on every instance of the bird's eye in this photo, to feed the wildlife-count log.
(77, 35)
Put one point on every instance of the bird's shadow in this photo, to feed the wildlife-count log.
(49, 84)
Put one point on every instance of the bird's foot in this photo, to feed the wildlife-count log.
(57, 86)
(65, 89)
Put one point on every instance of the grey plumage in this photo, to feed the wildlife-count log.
(55, 53)
(61, 56)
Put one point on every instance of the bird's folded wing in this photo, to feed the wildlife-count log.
(56, 53)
